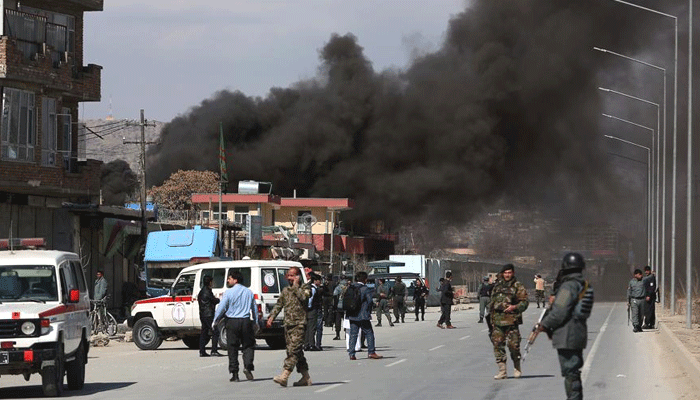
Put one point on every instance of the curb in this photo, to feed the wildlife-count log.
(691, 363)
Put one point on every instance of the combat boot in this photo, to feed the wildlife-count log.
(282, 378)
(502, 374)
(517, 373)
(305, 379)
(481, 320)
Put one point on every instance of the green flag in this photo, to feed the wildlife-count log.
(222, 158)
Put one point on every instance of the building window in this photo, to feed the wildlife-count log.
(241, 215)
(305, 220)
(18, 125)
(216, 214)
(48, 132)
(65, 122)
(34, 27)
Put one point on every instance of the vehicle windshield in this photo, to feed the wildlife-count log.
(28, 283)
(184, 285)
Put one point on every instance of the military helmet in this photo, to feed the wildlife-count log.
(573, 261)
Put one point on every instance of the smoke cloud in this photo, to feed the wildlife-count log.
(118, 183)
(508, 107)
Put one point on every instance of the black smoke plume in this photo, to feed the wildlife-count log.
(507, 107)
(118, 183)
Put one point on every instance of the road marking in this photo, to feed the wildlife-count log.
(396, 362)
(331, 387)
(210, 366)
(437, 347)
(591, 354)
(464, 337)
(485, 330)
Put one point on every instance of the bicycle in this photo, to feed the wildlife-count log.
(102, 320)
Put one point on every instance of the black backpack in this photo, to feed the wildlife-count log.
(352, 299)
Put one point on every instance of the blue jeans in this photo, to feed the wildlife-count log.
(366, 326)
(319, 329)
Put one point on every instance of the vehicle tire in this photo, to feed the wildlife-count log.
(223, 340)
(276, 343)
(191, 342)
(111, 325)
(75, 370)
(410, 308)
(146, 334)
(52, 376)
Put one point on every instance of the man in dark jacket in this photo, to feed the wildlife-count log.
(568, 329)
(446, 296)
(649, 299)
(362, 319)
(207, 307)
(315, 307)
(399, 299)
(420, 293)
(484, 297)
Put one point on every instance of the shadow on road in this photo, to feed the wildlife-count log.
(34, 391)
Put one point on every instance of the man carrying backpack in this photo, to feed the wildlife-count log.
(357, 303)
(566, 325)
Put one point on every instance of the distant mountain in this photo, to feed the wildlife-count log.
(104, 139)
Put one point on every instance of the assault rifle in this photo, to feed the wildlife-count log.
(533, 334)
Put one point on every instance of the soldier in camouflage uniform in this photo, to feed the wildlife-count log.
(382, 294)
(293, 300)
(508, 302)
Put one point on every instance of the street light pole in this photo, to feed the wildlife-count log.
(672, 292)
(637, 145)
(655, 206)
(649, 193)
(662, 149)
(689, 244)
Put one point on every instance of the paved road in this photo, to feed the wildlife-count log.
(420, 361)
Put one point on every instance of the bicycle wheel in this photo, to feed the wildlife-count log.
(95, 322)
(111, 325)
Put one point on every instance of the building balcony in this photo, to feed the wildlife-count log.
(38, 52)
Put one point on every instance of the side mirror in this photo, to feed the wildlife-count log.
(74, 296)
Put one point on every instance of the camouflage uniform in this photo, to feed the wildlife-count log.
(293, 300)
(383, 303)
(505, 326)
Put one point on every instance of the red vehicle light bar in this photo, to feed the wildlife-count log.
(25, 243)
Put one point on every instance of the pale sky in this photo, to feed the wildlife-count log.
(166, 56)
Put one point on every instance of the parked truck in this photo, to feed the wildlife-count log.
(168, 252)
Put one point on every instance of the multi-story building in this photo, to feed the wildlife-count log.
(42, 82)
(46, 189)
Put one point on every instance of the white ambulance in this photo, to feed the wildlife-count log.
(177, 314)
(44, 316)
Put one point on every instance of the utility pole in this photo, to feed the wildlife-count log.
(143, 143)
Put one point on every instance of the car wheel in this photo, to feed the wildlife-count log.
(146, 334)
(52, 376)
(223, 340)
(191, 342)
(276, 343)
(75, 370)
(411, 308)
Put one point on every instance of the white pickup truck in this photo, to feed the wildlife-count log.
(177, 314)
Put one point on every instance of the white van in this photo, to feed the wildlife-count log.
(178, 313)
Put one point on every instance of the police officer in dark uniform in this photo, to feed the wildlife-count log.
(399, 298)
(207, 305)
(565, 323)
(649, 281)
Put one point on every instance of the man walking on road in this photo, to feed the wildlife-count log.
(399, 297)
(382, 294)
(362, 319)
(649, 281)
(337, 305)
(420, 293)
(239, 306)
(484, 297)
(207, 307)
(313, 310)
(446, 296)
(508, 302)
(539, 290)
(294, 301)
(635, 300)
(565, 323)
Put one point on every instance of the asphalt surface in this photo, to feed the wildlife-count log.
(421, 361)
